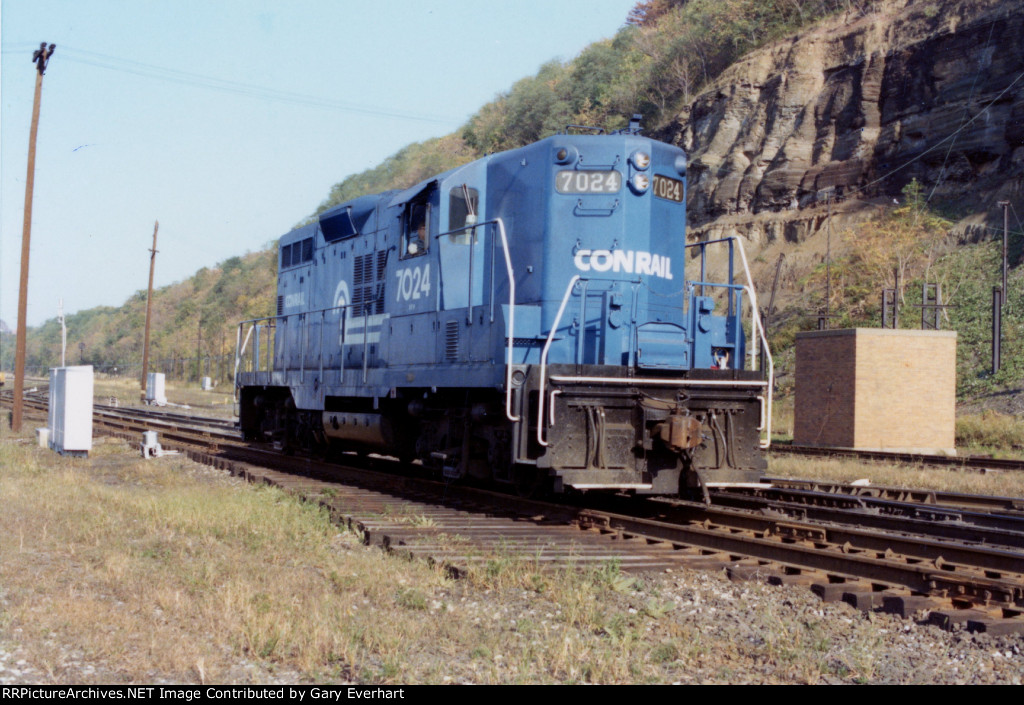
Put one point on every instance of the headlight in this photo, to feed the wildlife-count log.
(641, 160)
(566, 155)
(640, 182)
(681, 164)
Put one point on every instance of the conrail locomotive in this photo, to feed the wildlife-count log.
(535, 317)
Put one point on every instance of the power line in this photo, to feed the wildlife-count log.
(195, 80)
(942, 141)
(967, 107)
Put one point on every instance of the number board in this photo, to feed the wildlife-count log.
(669, 189)
(588, 182)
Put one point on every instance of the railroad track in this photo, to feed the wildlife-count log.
(966, 567)
(945, 522)
(967, 461)
(936, 498)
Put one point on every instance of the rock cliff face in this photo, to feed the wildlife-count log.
(926, 89)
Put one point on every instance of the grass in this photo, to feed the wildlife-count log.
(985, 433)
(164, 569)
(990, 432)
(218, 402)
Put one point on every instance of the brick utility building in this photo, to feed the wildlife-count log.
(876, 389)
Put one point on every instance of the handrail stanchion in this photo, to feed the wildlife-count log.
(511, 321)
(757, 331)
(239, 352)
(544, 357)
(366, 343)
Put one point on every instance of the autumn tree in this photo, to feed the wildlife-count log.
(898, 246)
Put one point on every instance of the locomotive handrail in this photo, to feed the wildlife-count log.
(766, 424)
(544, 357)
(757, 327)
(579, 342)
(239, 352)
(271, 322)
(511, 319)
(756, 317)
(582, 210)
(511, 303)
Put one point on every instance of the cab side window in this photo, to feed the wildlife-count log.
(463, 203)
(416, 238)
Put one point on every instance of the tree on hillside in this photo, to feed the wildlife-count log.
(898, 246)
(647, 12)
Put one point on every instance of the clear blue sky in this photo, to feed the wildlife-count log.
(229, 120)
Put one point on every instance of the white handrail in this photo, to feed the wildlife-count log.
(759, 327)
(544, 357)
(511, 321)
(240, 347)
(758, 331)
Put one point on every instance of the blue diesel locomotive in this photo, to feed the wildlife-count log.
(523, 319)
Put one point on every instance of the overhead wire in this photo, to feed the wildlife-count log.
(967, 106)
(196, 80)
(942, 141)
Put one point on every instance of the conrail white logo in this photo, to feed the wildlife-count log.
(623, 261)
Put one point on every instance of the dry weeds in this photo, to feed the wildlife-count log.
(167, 571)
(218, 402)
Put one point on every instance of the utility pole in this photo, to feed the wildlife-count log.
(828, 263)
(149, 311)
(1006, 229)
(40, 58)
(199, 343)
(63, 333)
(824, 321)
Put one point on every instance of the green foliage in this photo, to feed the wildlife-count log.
(973, 271)
(654, 65)
(990, 430)
(212, 302)
(915, 242)
(897, 249)
(403, 169)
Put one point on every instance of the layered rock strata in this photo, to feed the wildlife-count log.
(850, 112)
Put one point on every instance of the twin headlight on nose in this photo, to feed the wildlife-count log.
(640, 181)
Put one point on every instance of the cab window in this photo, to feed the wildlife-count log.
(416, 239)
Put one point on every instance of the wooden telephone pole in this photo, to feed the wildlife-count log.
(149, 312)
(40, 58)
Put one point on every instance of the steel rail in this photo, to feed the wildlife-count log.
(912, 458)
(828, 549)
(966, 527)
(938, 498)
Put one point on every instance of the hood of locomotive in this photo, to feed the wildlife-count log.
(609, 209)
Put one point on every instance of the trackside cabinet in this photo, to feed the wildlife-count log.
(71, 410)
(876, 389)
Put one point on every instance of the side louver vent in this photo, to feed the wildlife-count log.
(451, 340)
(368, 282)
